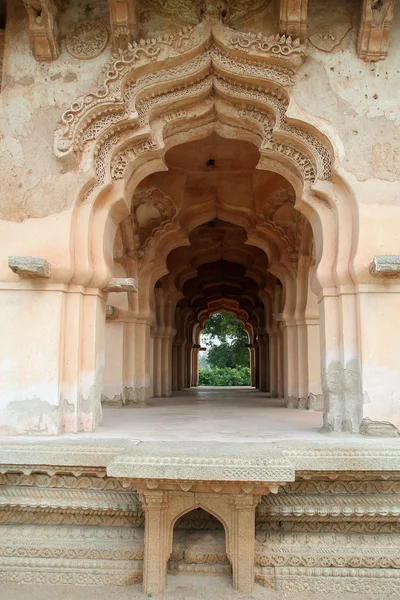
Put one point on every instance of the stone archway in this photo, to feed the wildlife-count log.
(162, 93)
(163, 507)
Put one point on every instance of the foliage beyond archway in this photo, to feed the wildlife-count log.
(227, 362)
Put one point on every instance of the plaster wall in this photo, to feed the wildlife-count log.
(354, 103)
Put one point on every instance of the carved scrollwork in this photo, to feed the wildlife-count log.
(227, 72)
(161, 211)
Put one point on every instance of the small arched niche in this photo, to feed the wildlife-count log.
(199, 546)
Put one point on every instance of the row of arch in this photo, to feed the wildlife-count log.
(165, 94)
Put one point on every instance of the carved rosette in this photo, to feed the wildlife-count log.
(87, 40)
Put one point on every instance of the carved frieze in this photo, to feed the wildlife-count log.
(217, 73)
(68, 525)
(192, 11)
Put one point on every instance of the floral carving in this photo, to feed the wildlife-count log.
(161, 205)
(191, 11)
(241, 75)
(87, 40)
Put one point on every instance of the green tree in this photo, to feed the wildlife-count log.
(227, 342)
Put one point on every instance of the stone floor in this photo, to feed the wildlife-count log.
(179, 588)
(212, 414)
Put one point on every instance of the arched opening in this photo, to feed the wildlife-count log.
(199, 546)
(215, 232)
(181, 101)
(226, 358)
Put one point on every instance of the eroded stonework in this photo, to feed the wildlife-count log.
(79, 526)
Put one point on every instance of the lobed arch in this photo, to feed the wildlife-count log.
(166, 92)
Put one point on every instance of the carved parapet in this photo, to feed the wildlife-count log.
(385, 265)
(29, 267)
(293, 18)
(112, 312)
(121, 284)
(124, 19)
(43, 30)
(374, 34)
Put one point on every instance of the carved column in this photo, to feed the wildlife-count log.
(124, 19)
(242, 542)
(43, 30)
(293, 18)
(263, 366)
(157, 369)
(155, 505)
(374, 34)
(280, 370)
(256, 364)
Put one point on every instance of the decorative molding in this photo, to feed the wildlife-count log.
(145, 234)
(192, 11)
(374, 34)
(228, 72)
(124, 20)
(87, 40)
(293, 18)
(43, 30)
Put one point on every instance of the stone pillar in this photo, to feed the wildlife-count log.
(157, 366)
(263, 366)
(273, 364)
(166, 356)
(155, 505)
(290, 364)
(174, 359)
(256, 365)
(188, 377)
(140, 393)
(280, 362)
(242, 547)
(195, 365)
(181, 366)
(52, 357)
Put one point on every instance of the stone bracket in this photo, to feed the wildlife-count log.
(374, 34)
(112, 312)
(293, 18)
(385, 265)
(121, 284)
(124, 19)
(43, 30)
(29, 267)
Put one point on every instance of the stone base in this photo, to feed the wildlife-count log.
(328, 529)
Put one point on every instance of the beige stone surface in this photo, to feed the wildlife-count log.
(179, 587)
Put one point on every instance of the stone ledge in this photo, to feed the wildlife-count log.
(203, 462)
(121, 284)
(29, 267)
(385, 265)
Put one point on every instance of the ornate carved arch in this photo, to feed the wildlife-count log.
(205, 74)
